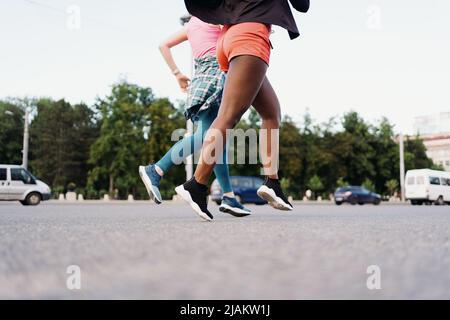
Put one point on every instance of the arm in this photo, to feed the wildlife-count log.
(165, 47)
(300, 5)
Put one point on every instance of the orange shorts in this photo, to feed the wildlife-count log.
(247, 38)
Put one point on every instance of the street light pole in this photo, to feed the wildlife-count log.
(402, 167)
(26, 139)
(189, 166)
(190, 132)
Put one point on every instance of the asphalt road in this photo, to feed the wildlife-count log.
(130, 251)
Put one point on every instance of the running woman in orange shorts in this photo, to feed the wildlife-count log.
(243, 51)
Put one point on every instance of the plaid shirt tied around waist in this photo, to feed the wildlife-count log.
(205, 90)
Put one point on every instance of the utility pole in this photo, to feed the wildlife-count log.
(26, 139)
(190, 132)
(402, 168)
(189, 166)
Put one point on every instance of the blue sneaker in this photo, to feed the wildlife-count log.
(233, 207)
(151, 179)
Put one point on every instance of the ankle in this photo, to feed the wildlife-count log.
(193, 183)
(159, 170)
(229, 194)
(198, 180)
(269, 178)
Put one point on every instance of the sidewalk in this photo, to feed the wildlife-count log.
(175, 202)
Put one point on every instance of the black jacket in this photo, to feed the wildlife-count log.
(275, 12)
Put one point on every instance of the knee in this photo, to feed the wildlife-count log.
(274, 121)
(277, 120)
(229, 119)
(272, 118)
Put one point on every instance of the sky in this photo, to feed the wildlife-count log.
(381, 58)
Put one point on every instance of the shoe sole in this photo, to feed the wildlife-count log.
(186, 196)
(233, 211)
(276, 202)
(148, 185)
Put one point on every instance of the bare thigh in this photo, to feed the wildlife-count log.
(244, 80)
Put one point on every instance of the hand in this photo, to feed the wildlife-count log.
(183, 82)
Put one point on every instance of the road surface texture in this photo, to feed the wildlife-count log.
(129, 251)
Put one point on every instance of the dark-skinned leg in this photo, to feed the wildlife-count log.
(244, 79)
(267, 105)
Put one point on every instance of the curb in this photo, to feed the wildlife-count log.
(173, 202)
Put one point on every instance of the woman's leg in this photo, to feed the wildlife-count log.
(244, 79)
(229, 203)
(188, 145)
(221, 168)
(268, 107)
(177, 153)
(151, 174)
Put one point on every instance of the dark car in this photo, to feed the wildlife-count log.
(244, 187)
(356, 195)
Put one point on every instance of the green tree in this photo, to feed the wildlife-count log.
(285, 184)
(386, 156)
(416, 154)
(290, 154)
(392, 186)
(358, 160)
(330, 152)
(135, 129)
(341, 182)
(11, 132)
(61, 135)
(315, 184)
(369, 185)
(306, 148)
(120, 147)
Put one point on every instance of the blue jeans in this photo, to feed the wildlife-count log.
(194, 143)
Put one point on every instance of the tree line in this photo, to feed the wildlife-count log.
(96, 150)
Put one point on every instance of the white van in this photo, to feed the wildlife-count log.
(427, 186)
(17, 184)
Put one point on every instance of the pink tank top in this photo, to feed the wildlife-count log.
(202, 37)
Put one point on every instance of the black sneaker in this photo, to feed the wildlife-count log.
(196, 195)
(272, 193)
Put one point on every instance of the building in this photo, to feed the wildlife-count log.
(435, 132)
(438, 149)
(432, 124)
